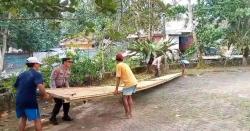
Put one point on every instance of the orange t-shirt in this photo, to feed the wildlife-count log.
(126, 75)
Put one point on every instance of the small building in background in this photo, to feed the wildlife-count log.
(183, 38)
(77, 43)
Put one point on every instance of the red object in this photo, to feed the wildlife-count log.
(185, 42)
(119, 57)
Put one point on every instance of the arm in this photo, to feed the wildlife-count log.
(117, 85)
(42, 91)
(53, 77)
(38, 80)
(67, 83)
(118, 79)
(67, 79)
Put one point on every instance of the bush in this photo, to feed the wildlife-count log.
(48, 64)
(7, 84)
(82, 69)
(134, 61)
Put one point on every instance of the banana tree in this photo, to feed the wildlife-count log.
(149, 49)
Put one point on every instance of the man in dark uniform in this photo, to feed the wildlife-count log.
(60, 79)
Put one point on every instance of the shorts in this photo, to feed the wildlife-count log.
(129, 91)
(30, 114)
(185, 62)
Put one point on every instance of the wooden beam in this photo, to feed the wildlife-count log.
(77, 93)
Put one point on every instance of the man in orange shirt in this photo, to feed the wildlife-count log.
(125, 74)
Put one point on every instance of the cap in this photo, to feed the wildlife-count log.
(33, 60)
(67, 59)
(119, 57)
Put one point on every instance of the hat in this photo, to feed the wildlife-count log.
(33, 60)
(67, 59)
(119, 57)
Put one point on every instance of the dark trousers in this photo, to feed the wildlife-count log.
(58, 104)
(157, 71)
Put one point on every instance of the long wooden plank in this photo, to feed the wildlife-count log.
(160, 80)
(96, 91)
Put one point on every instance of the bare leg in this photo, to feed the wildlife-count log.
(130, 103)
(183, 70)
(22, 123)
(156, 72)
(126, 106)
(38, 125)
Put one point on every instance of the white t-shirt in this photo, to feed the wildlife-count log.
(157, 62)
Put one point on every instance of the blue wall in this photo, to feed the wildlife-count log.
(14, 61)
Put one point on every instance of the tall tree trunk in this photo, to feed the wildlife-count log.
(198, 45)
(3, 49)
(201, 62)
(164, 26)
(119, 16)
(150, 17)
(4, 34)
(190, 15)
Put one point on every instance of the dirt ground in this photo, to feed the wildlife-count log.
(215, 100)
(210, 101)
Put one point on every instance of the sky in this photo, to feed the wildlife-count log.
(181, 2)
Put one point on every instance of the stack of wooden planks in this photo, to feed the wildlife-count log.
(76, 93)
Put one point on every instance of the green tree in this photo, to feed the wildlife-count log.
(86, 19)
(146, 15)
(12, 10)
(232, 14)
(35, 35)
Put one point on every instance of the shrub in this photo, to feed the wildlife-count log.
(7, 84)
(48, 64)
(86, 67)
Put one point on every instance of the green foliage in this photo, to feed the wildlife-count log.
(82, 69)
(30, 36)
(45, 8)
(134, 61)
(33, 35)
(148, 48)
(190, 51)
(106, 57)
(234, 15)
(7, 84)
(115, 35)
(208, 31)
(208, 34)
(47, 67)
(106, 6)
(89, 20)
(142, 15)
(46, 72)
(172, 11)
(51, 60)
